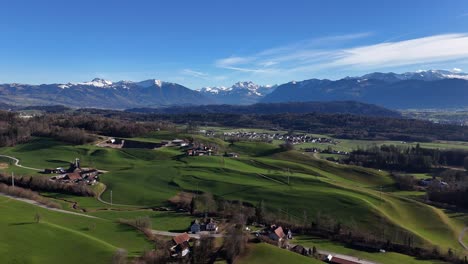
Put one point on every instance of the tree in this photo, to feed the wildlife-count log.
(287, 146)
(235, 242)
(120, 256)
(37, 218)
(203, 249)
(260, 212)
(314, 250)
(192, 206)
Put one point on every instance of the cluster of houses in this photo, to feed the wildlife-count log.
(294, 139)
(279, 235)
(431, 182)
(207, 225)
(74, 174)
(199, 150)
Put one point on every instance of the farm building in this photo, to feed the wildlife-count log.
(207, 225)
(181, 246)
(76, 174)
(337, 260)
(299, 249)
(277, 233)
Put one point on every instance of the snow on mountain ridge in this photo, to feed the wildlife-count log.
(97, 82)
(425, 75)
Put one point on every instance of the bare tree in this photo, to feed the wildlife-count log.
(235, 242)
(37, 218)
(203, 249)
(120, 256)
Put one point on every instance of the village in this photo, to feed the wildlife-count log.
(75, 174)
(292, 138)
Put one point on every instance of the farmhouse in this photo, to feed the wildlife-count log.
(277, 233)
(207, 225)
(181, 246)
(195, 227)
(200, 151)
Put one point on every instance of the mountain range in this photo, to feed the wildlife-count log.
(243, 93)
(420, 89)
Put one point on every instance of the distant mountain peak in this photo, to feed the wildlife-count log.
(243, 92)
(98, 82)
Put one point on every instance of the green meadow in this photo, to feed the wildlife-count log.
(61, 238)
(292, 184)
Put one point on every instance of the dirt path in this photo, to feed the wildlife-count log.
(460, 238)
(17, 163)
(46, 207)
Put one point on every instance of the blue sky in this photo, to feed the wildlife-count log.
(207, 43)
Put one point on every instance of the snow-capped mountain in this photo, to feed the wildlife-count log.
(420, 89)
(239, 93)
(100, 93)
(423, 75)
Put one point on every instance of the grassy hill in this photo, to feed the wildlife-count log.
(58, 236)
(355, 196)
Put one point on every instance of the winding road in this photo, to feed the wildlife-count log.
(17, 163)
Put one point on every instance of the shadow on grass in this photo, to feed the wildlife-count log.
(22, 223)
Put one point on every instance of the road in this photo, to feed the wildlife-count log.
(346, 257)
(17, 163)
(173, 234)
(46, 207)
(460, 238)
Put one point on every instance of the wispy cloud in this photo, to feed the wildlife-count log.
(314, 54)
(194, 73)
(437, 48)
(198, 74)
(272, 60)
(463, 15)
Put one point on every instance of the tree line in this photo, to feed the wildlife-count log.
(407, 159)
(73, 128)
(45, 185)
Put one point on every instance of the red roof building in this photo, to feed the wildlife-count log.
(180, 239)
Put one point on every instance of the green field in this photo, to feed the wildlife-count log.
(59, 236)
(265, 253)
(350, 194)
